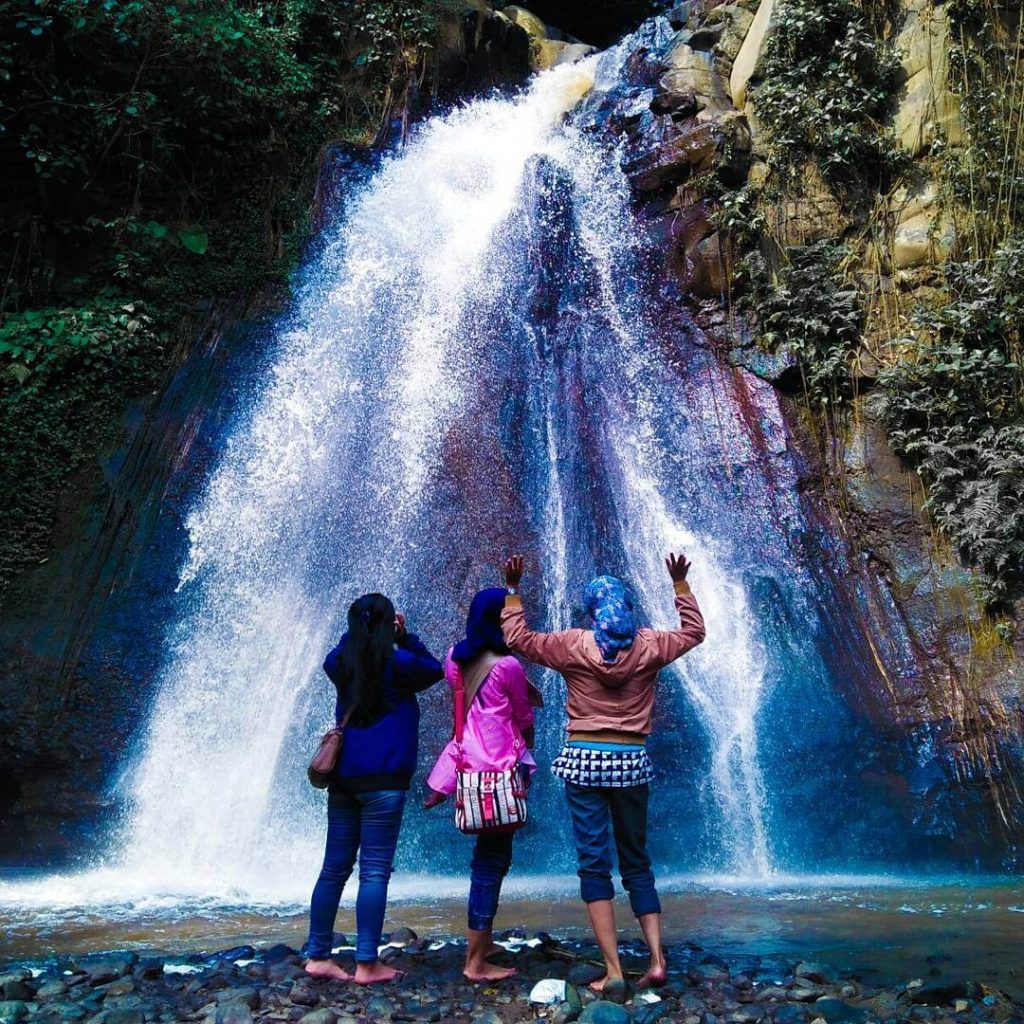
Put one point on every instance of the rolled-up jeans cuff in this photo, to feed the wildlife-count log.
(646, 904)
(478, 922)
(593, 889)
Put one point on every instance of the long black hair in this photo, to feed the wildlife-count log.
(369, 648)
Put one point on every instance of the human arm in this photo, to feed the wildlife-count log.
(416, 669)
(671, 644)
(552, 650)
(516, 687)
(332, 663)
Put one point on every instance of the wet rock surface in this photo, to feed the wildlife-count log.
(270, 985)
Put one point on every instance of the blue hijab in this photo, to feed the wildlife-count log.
(610, 605)
(483, 627)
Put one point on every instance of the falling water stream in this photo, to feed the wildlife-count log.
(475, 362)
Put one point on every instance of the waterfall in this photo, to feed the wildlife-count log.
(421, 419)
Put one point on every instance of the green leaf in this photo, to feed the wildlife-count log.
(194, 238)
(20, 373)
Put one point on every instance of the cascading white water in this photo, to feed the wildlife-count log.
(373, 366)
(330, 487)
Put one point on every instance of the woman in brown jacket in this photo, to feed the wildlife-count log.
(610, 671)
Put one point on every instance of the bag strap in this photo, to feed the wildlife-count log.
(344, 719)
(466, 691)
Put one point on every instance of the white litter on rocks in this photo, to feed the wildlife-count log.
(550, 990)
(182, 968)
(244, 963)
(512, 945)
(647, 997)
(436, 945)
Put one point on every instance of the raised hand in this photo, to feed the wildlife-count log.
(677, 566)
(513, 571)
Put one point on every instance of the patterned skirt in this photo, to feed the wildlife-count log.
(609, 769)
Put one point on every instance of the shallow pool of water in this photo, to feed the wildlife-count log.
(886, 929)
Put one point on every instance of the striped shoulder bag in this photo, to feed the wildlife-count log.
(488, 801)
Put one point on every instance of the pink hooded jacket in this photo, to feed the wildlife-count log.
(493, 735)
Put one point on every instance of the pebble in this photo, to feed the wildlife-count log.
(702, 988)
(12, 1010)
(584, 974)
(602, 1012)
(379, 1008)
(823, 974)
(617, 990)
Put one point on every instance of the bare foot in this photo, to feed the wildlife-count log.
(326, 969)
(598, 986)
(375, 973)
(654, 978)
(484, 971)
(495, 950)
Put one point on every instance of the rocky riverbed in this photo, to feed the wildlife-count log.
(245, 985)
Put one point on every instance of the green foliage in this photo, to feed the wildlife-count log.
(36, 342)
(985, 171)
(955, 409)
(156, 153)
(65, 375)
(828, 80)
(811, 311)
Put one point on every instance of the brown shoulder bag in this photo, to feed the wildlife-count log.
(325, 760)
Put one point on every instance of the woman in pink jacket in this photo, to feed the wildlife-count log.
(497, 735)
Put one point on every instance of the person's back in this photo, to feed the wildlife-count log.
(377, 668)
(610, 673)
(615, 695)
(497, 731)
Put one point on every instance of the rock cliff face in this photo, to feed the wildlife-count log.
(686, 119)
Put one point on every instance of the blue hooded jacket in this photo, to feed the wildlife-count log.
(383, 755)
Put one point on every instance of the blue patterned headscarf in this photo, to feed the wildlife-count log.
(483, 627)
(610, 605)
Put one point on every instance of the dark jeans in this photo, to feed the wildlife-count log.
(592, 810)
(492, 857)
(367, 824)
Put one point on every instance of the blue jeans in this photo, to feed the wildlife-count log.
(366, 823)
(492, 857)
(592, 809)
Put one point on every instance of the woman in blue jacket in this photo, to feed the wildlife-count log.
(377, 668)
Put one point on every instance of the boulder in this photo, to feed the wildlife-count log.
(821, 974)
(17, 985)
(694, 71)
(735, 22)
(835, 1011)
(603, 1012)
(325, 1015)
(229, 1013)
(550, 52)
(922, 238)
(927, 108)
(584, 974)
(667, 153)
(790, 1014)
(616, 990)
(811, 216)
(12, 1011)
(745, 66)
(304, 993)
(526, 20)
(713, 260)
